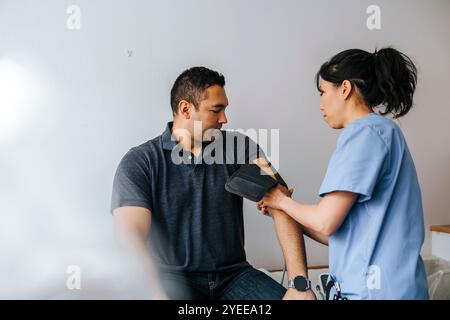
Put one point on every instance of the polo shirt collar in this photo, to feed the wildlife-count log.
(168, 141)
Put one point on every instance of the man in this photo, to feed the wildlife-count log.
(177, 206)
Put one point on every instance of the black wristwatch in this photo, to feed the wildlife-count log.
(300, 283)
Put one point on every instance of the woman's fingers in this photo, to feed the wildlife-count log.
(261, 207)
(264, 210)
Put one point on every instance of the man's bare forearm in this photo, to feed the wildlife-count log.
(289, 234)
(132, 229)
(137, 248)
(292, 243)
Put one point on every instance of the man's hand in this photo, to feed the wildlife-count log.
(294, 294)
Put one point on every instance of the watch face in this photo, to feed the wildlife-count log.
(300, 283)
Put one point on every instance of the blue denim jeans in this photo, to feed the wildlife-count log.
(243, 283)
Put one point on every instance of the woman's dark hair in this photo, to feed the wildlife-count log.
(386, 77)
(191, 85)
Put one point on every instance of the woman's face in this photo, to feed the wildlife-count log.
(332, 104)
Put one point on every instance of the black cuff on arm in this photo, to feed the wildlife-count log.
(251, 182)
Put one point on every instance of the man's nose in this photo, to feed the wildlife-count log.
(223, 118)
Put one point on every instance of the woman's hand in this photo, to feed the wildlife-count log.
(273, 198)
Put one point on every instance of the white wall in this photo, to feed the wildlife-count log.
(76, 102)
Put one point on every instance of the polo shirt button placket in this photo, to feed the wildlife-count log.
(212, 283)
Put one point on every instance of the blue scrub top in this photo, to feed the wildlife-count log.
(375, 253)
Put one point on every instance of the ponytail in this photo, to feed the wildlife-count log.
(396, 78)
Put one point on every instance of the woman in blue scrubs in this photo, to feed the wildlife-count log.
(371, 212)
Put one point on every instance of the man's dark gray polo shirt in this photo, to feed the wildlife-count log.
(196, 224)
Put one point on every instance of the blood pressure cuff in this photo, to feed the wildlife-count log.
(251, 182)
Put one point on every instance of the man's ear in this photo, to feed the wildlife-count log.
(346, 89)
(184, 109)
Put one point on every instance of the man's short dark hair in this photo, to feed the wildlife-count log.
(191, 86)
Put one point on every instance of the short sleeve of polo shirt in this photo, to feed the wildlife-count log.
(357, 163)
(132, 182)
(252, 151)
(245, 149)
